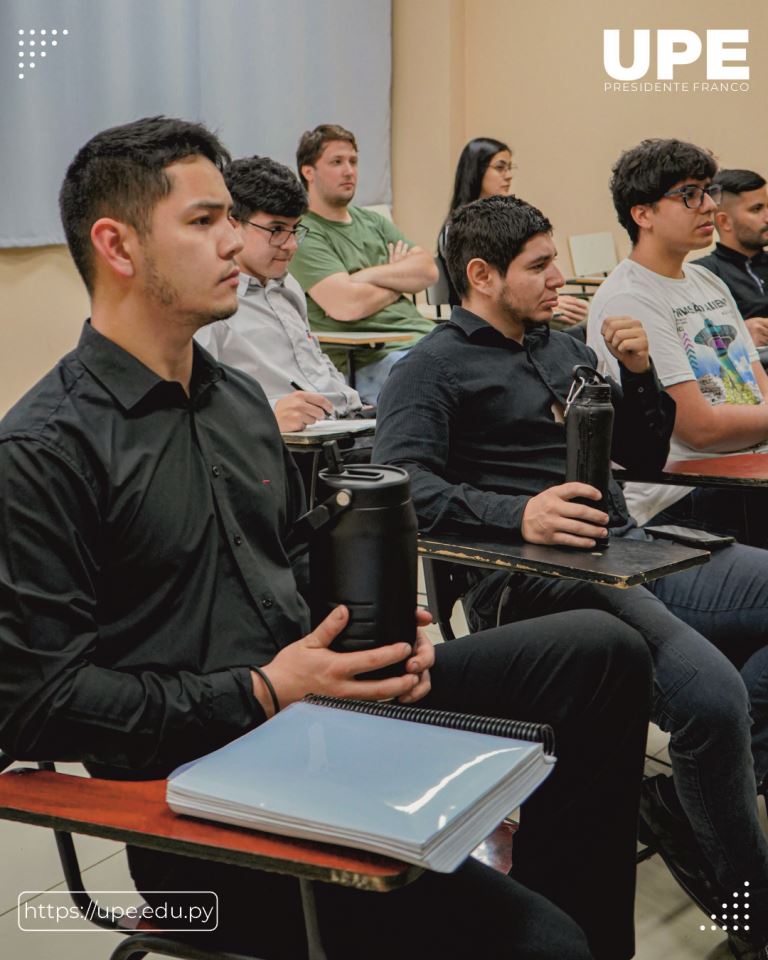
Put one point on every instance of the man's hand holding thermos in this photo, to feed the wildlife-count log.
(310, 666)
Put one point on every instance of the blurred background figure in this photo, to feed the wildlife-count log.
(485, 170)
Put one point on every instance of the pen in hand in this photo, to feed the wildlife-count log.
(328, 416)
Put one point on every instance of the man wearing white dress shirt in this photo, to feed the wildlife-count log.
(269, 336)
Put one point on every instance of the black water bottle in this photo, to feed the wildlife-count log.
(589, 435)
(365, 558)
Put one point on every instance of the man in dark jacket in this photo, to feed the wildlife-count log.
(474, 412)
(739, 257)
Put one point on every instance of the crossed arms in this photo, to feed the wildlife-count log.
(348, 297)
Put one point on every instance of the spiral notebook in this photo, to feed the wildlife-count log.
(423, 786)
(342, 427)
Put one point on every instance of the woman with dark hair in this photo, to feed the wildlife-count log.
(485, 170)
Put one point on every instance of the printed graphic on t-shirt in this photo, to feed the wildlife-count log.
(717, 354)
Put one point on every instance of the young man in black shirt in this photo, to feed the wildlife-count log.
(474, 412)
(145, 498)
(739, 257)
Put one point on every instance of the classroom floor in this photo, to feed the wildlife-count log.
(667, 922)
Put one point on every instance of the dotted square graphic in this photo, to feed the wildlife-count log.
(737, 920)
(34, 43)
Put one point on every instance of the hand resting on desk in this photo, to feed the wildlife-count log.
(551, 517)
(308, 666)
(366, 412)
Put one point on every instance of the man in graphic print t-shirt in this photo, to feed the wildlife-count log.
(716, 351)
(703, 353)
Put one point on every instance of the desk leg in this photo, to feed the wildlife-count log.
(313, 482)
(351, 377)
(441, 597)
(309, 461)
(745, 515)
(315, 949)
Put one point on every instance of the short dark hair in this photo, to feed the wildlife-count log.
(313, 143)
(120, 173)
(645, 173)
(495, 229)
(470, 170)
(739, 181)
(261, 184)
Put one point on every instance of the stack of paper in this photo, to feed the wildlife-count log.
(423, 794)
(332, 425)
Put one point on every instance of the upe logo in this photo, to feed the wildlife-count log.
(677, 48)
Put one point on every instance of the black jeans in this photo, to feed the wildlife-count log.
(589, 676)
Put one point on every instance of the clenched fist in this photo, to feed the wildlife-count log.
(626, 340)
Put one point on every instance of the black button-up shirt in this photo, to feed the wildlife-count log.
(745, 277)
(141, 561)
(474, 417)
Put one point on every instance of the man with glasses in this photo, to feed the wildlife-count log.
(739, 257)
(269, 336)
(356, 267)
(666, 199)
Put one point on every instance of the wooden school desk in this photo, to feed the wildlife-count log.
(357, 340)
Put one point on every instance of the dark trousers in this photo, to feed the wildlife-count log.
(706, 630)
(589, 676)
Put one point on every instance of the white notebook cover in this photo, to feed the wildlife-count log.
(373, 782)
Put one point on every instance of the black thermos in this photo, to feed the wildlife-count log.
(588, 434)
(365, 558)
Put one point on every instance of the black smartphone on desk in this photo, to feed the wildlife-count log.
(691, 537)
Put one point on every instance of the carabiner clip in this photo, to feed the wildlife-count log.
(579, 382)
(576, 388)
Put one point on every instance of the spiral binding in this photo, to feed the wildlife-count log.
(495, 726)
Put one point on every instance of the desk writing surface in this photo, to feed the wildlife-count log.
(735, 470)
(625, 563)
(585, 281)
(739, 469)
(136, 813)
(330, 430)
(359, 338)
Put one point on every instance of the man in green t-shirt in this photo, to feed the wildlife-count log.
(355, 266)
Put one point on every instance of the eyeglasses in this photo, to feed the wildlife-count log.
(503, 166)
(279, 236)
(693, 196)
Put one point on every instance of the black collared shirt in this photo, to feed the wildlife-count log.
(745, 277)
(141, 563)
(469, 414)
